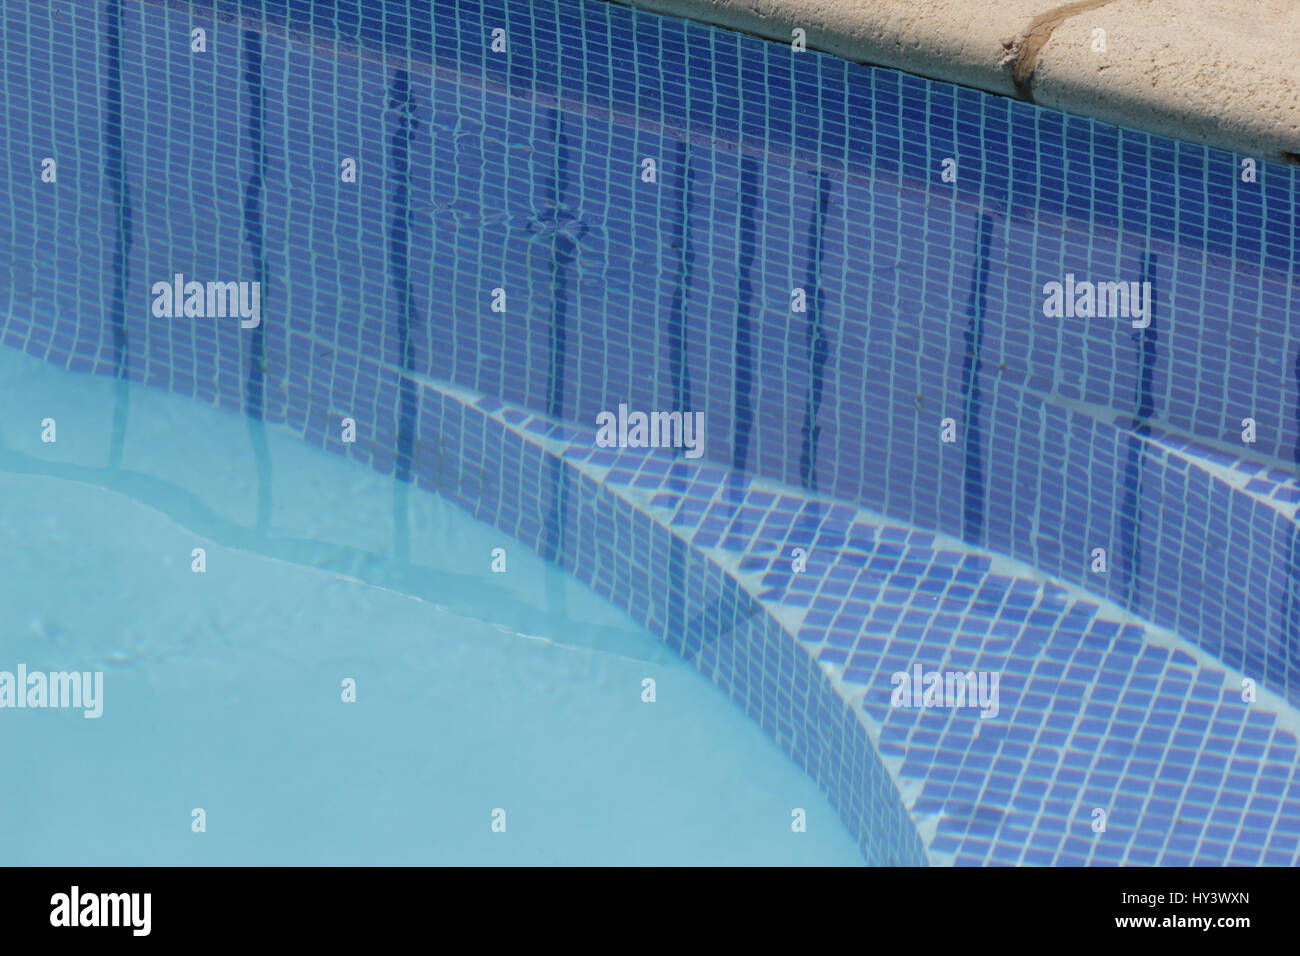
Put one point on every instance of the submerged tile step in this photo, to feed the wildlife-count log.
(1112, 741)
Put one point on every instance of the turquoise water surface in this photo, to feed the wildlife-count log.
(475, 691)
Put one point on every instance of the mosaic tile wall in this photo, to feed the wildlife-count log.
(522, 171)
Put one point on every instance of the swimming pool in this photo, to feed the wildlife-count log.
(960, 384)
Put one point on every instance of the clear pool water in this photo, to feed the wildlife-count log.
(222, 690)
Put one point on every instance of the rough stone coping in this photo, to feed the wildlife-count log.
(1225, 73)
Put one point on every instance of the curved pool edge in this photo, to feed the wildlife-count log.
(1075, 736)
(552, 500)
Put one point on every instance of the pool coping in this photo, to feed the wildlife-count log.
(1216, 74)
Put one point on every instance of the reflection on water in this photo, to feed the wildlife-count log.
(194, 466)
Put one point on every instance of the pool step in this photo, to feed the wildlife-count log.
(1113, 741)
